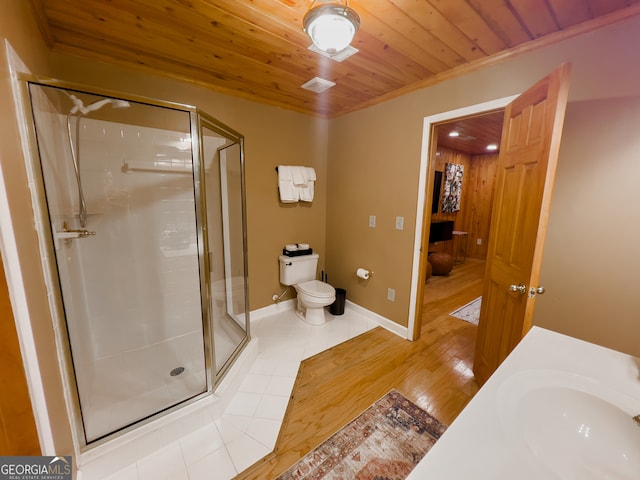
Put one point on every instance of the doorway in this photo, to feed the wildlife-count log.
(530, 142)
(423, 218)
(470, 146)
(461, 218)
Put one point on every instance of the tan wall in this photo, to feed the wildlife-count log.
(374, 157)
(592, 254)
(373, 170)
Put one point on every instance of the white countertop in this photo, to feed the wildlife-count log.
(483, 442)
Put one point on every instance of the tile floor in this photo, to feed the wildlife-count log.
(249, 426)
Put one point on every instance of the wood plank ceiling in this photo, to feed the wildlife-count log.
(256, 49)
(473, 134)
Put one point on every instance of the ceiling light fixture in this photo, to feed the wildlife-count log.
(341, 56)
(331, 25)
(454, 134)
(492, 147)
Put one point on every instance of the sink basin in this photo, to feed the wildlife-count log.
(572, 425)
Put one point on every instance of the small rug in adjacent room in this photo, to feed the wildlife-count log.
(385, 442)
(469, 312)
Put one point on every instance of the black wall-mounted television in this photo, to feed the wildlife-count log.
(441, 231)
(437, 185)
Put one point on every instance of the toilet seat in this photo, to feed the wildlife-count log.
(316, 289)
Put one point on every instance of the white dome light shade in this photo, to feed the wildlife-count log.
(331, 27)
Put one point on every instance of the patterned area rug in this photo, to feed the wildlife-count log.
(470, 312)
(385, 442)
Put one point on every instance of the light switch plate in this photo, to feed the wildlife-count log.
(372, 221)
(399, 223)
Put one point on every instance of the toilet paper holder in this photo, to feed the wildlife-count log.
(364, 273)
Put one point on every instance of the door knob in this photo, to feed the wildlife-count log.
(533, 291)
(518, 288)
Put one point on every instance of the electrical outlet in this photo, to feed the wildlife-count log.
(479, 241)
(399, 223)
(391, 294)
(372, 221)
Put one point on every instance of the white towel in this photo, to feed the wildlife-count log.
(310, 173)
(306, 193)
(288, 191)
(299, 176)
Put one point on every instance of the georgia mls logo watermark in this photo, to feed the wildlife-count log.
(35, 468)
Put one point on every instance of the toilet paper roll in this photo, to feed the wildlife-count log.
(362, 273)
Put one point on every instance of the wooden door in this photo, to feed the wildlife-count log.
(526, 171)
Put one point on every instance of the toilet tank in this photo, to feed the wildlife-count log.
(298, 269)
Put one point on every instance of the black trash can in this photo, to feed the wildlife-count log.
(337, 307)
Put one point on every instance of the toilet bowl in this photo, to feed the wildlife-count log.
(313, 296)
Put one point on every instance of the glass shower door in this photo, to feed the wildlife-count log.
(119, 186)
(224, 199)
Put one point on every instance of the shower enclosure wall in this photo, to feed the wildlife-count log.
(143, 223)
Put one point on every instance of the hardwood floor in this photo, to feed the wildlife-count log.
(335, 386)
(18, 434)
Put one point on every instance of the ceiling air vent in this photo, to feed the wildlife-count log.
(341, 56)
(317, 85)
(465, 137)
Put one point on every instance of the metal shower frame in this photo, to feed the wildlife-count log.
(198, 120)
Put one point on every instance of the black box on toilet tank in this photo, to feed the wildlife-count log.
(297, 253)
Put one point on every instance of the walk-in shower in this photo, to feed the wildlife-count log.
(143, 229)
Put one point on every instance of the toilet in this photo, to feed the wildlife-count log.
(313, 295)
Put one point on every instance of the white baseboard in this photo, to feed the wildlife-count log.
(269, 310)
(384, 322)
(290, 304)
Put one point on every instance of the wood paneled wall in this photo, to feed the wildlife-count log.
(18, 435)
(477, 195)
(443, 157)
(476, 204)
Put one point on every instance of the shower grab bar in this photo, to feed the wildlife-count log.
(126, 169)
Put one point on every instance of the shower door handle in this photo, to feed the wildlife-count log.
(85, 233)
(71, 234)
(81, 233)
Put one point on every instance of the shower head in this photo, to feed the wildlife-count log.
(78, 106)
(115, 103)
